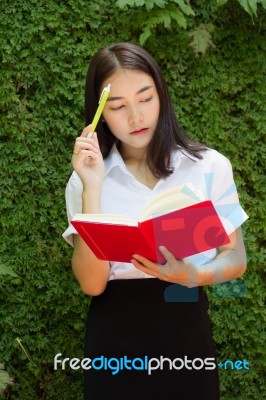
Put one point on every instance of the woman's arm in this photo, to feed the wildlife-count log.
(230, 263)
(91, 273)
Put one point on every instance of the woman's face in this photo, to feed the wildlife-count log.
(132, 109)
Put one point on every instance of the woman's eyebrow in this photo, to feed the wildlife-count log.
(113, 98)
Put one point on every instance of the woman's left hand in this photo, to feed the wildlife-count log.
(175, 271)
(229, 263)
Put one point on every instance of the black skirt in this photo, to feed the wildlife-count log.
(149, 339)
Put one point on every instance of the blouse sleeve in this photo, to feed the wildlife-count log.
(221, 189)
(73, 196)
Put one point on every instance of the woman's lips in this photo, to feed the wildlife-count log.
(139, 131)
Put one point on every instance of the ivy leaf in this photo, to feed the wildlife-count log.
(151, 3)
(250, 6)
(5, 379)
(220, 3)
(160, 3)
(201, 38)
(179, 18)
(6, 271)
(166, 20)
(159, 17)
(185, 8)
(130, 3)
(144, 36)
(121, 4)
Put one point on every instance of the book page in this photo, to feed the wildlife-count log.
(174, 199)
(114, 219)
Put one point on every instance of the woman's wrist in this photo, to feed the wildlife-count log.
(91, 201)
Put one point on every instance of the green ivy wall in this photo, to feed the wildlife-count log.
(220, 98)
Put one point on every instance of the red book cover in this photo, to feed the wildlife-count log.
(184, 232)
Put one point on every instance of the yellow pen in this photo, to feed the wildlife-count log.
(102, 101)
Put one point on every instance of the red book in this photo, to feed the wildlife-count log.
(184, 231)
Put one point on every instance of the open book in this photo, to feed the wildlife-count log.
(180, 219)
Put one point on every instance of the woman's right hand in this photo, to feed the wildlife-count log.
(87, 159)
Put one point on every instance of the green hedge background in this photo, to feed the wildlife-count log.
(219, 92)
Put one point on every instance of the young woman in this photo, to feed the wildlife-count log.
(146, 337)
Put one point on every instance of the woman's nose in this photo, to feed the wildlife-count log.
(135, 115)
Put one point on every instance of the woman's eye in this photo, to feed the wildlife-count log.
(146, 100)
(116, 108)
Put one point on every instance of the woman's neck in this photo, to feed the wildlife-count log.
(141, 171)
(132, 154)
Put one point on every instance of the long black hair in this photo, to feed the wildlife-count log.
(168, 134)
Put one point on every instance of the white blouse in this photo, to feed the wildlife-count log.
(122, 193)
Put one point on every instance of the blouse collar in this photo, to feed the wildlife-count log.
(114, 159)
